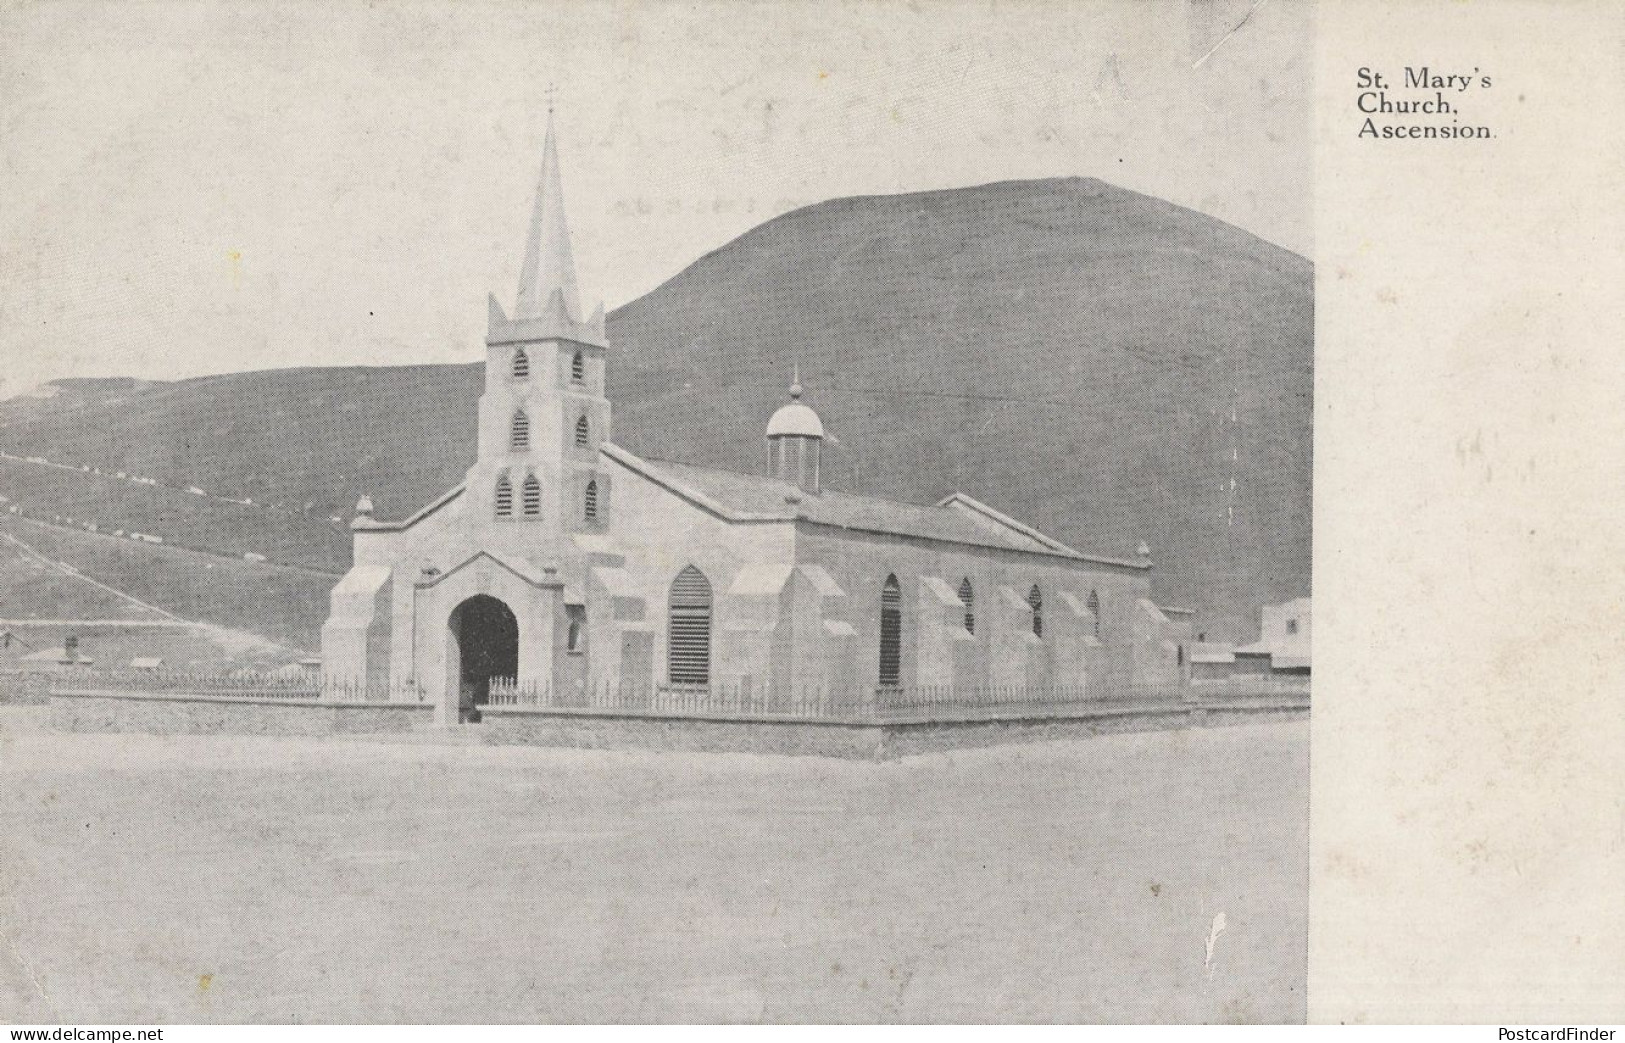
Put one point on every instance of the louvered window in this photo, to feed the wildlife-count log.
(581, 433)
(968, 597)
(504, 497)
(590, 507)
(1035, 600)
(531, 496)
(519, 431)
(521, 365)
(578, 369)
(1094, 610)
(688, 633)
(891, 633)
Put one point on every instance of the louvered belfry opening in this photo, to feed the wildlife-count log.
(1035, 600)
(891, 633)
(581, 433)
(1094, 610)
(504, 497)
(519, 431)
(578, 369)
(688, 629)
(795, 459)
(590, 508)
(531, 496)
(968, 597)
(521, 365)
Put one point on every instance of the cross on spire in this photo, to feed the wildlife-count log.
(552, 94)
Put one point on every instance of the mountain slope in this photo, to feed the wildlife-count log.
(1103, 365)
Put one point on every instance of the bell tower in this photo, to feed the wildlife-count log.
(543, 414)
(795, 440)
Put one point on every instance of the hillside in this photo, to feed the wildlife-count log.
(279, 604)
(1104, 365)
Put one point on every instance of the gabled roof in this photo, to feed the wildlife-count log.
(1000, 518)
(369, 525)
(759, 498)
(520, 567)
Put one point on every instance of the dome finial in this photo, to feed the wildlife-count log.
(795, 382)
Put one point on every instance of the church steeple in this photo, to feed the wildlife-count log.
(548, 305)
(549, 267)
(544, 415)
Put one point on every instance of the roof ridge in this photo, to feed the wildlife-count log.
(826, 491)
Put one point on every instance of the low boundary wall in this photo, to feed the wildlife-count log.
(25, 688)
(194, 713)
(184, 713)
(585, 729)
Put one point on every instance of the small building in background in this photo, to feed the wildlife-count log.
(1282, 649)
(1284, 640)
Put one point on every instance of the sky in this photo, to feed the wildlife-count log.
(195, 188)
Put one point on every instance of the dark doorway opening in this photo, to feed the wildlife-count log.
(486, 637)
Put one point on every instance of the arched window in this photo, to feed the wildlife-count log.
(590, 506)
(1094, 610)
(519, 431)
(968, 596)
(688, 629)
(578, 622)
(521, 364)
(891, 633)
(581, 433)
(578, 369)
(1035, 600)
(504, 497)
(531, 496)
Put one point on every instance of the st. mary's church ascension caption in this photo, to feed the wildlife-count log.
(1424, 102)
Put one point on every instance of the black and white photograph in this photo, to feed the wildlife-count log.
(626, 512)
(631, 526)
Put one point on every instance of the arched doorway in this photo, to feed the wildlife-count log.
(484, 644)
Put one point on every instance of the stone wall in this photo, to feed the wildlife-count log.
(25, 687)
(189, 714)
(506, 725)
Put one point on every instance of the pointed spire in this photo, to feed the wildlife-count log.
(549, 268)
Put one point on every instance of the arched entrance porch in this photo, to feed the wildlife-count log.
(482, 644)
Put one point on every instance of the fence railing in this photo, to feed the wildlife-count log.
(749, 698)
(238, 683)
(1248, 684)
(753, 699)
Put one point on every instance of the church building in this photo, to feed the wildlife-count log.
(563, 560)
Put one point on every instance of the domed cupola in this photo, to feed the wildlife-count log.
(795, 436)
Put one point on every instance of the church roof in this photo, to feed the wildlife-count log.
(749, 497)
